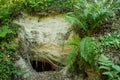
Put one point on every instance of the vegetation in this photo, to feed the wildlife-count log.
(90, 15)
(111, 40)
(86, 15)
(73, 53)
(10, 9)
(49, 6)
(7, 44)
(110, 69)
(83, 53)
(7, 50)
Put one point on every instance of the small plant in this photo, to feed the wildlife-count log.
(49, 6)
(111, 40)
(72, 57)
(83, 53)
(7, 44)
(89, 49)
(7, 48)
(110, 69)
(90, 15)
(4, 31)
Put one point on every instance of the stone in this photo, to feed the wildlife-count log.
(43, 39)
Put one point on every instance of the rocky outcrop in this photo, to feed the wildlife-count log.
(43, 39)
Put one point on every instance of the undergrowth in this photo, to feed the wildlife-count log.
(7, 44)
(90, 15)
(49, 6)
(111, 40)
(85, 51)
(10, 9)
(88, 51)
(108, 68)
(7, 50)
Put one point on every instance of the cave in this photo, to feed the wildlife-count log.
(40, 66)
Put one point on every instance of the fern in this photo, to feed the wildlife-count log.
(71, 59)
(90, 15)
(110, 69)
(83, 53)
(89, 49)
(111, 40)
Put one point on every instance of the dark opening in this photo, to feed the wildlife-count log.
(41, 66)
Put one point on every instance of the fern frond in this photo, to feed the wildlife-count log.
(75, 41)
(71, 58)
(88, 49)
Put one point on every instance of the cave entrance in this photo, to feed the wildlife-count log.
(40, 66)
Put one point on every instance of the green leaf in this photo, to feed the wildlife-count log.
(75, 42)
(104, 67)
(116, 67)
(4, 31)
(103, 58)
(88, 49)
(108, 74)
(4, 12)
(90, 15)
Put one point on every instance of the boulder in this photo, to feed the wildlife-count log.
(44, 39)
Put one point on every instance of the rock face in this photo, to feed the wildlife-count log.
(44, 39)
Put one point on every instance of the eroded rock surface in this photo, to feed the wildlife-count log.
(44, 39)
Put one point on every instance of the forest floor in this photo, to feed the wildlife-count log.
(112, 53)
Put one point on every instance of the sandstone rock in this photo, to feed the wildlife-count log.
(44, 39)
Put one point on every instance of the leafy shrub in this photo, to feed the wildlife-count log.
(116, 5)
(111, 40)
(7, 69)
(90, 15)
(7, 44)
(7, 50)
(72, 57)
(4, 15)
(89, 49)
(83, 53)
(49, 6)
(110, 69)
